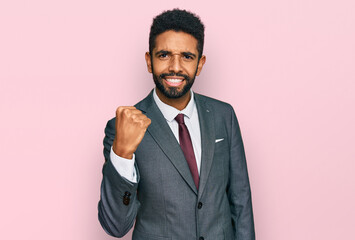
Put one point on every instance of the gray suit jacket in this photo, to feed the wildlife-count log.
(165, 202)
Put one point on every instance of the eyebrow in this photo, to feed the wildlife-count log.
(168, 52)
(162, 52)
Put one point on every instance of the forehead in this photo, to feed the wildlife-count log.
(175, 41)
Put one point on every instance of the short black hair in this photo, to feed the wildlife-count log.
(179, 21)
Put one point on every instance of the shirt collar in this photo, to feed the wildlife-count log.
(170, 112)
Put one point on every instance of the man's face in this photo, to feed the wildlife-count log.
(174, 63)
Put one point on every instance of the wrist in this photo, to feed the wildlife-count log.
(123, 153)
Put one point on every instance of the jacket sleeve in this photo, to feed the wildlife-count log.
(118, 205)
(238, 189)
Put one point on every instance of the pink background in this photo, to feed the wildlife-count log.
(287, 67)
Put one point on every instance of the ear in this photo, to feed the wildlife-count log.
(200, 64)
(149, 62)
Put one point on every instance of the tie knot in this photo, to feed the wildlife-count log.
(180, 118)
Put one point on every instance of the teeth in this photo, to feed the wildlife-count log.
(174, 80)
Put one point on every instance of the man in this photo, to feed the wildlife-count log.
(175, 162)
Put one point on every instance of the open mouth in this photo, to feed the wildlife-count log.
(173, 82)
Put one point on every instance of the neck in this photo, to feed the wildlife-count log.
(178, 103)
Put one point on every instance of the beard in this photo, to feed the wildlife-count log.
(173, 92)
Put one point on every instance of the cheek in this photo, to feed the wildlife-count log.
(191, 70)
(160, 66)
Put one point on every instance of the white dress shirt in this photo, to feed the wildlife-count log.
(125, 167)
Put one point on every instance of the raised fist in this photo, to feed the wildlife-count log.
(131, 125)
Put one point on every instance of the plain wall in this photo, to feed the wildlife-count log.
(287, 67)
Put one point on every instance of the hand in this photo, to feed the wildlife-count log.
(131, 125)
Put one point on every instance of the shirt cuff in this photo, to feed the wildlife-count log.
(125, 167)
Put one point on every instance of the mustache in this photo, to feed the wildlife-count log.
(163, 75)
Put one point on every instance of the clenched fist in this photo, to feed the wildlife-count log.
(131, 125)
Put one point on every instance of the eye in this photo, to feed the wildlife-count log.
(163, 55)
(188, 57)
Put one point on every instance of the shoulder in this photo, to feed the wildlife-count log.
(215, 105)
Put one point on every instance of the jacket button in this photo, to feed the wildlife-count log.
(199, 205)
(201, 238)
(126, 198)
(126, 201)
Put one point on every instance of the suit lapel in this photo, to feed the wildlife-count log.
(163, 136)
(207, 129)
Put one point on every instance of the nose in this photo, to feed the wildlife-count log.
(175, 64)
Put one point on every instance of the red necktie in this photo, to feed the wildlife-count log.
(186, 146)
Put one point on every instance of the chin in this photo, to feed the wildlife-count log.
(173, 93)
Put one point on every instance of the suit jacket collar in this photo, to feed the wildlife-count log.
(162, 134)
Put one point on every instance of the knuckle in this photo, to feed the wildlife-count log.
(141, 124)
(146, 122)
(120, 110)
(126, 112)
(134, 117)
